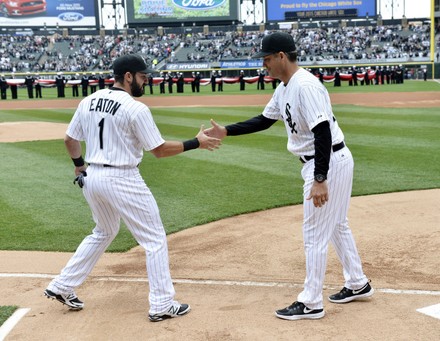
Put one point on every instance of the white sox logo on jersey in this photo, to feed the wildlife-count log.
(289, 120)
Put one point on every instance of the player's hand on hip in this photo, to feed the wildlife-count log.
(217, 130)
(319, 193)
(207, 142)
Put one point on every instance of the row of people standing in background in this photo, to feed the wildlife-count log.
(92, 82)
(168, 81)
(371, 75)
(86, 82)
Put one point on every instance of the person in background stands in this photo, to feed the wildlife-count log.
(193, 82)
(75, 92)
(180, 82)
(60, 82)
(213, 80)
(101, 81)
(337, 81)
(170, 83)
(29, 82)
(162, 83)
(366, 76)
(14, 87)
(85, 85)
(377, 75)
(3, 87)
(198, 77)
(37, 86)
(220, 82)
(362, 81)
(242, 81)
(150, 83)
(93, 83)
(354, 76)
(321, 75)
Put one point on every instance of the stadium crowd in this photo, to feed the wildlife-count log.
(95, 53)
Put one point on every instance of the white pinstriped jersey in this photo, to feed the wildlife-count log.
(116, 128)
(302, 104)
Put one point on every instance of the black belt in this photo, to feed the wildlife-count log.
(335, 148)
(106, 165)
(100, 165)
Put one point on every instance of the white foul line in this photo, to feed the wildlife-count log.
(221, 282)
(10, 323)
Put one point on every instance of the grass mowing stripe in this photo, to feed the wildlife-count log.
(394, 150)
(47, 115)
(248, 158)
(189, 190)
(166, 119)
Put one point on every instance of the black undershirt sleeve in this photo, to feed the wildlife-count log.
(323, 146)
(252, 125)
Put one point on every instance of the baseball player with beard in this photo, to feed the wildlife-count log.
(303, 104)
(116, 129)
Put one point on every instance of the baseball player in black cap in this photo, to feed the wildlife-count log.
(302, 103)
(116, 129)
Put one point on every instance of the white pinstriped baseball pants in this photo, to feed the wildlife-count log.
(115, 193)
(326, 224)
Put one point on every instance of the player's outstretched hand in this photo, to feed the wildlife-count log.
(207, 142)
(217, 130)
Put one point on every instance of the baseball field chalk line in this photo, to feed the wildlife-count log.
(433, 311)
(10, 323)
(222, 282)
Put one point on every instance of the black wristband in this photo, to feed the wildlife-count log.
(79, 162)
(191, 144)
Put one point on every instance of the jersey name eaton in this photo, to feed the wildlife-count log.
(105, 105)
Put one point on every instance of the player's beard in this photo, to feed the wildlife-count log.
(137, 89)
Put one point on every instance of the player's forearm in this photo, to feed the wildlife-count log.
(250, 126)
(171, 148)
(73, 147)
(323, 145)
(168, 148)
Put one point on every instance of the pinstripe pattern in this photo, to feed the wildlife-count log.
(302, 104)
(118, 192)
(329, 224)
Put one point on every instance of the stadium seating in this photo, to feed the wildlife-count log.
(331, 45)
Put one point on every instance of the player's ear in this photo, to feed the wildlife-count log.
(128, 76)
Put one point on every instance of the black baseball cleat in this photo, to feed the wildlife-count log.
(298, 311)
(177, 309)
(347, 295)
(71, 300)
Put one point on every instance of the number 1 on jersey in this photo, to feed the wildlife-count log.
(101, 129)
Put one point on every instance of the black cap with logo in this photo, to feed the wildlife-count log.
(276, 42)
(130, 63)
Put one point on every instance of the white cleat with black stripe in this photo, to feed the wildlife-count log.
(176, 309)
(71, 300)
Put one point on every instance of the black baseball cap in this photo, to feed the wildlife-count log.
(130, 63)
(275, 42)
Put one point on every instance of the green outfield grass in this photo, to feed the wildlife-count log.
(394, 150)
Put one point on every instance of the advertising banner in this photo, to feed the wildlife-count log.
(283, 10)
(179, 11)
(52, 13)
